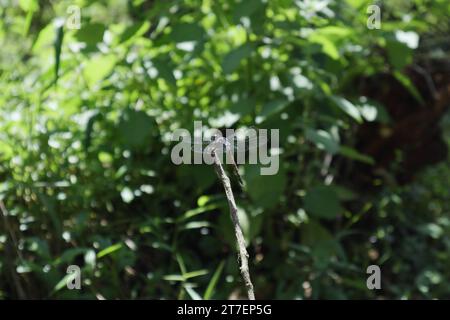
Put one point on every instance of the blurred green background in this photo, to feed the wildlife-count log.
(86, 178)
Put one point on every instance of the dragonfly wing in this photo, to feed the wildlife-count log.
(200, 146)
(248, 140)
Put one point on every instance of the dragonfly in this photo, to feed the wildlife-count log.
(239, 142)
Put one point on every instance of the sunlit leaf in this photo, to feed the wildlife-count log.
(98, 68)
(323, 140)
(347, 107)
(109, 250)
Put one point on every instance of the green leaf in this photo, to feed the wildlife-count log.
(354, 154)
(196, 225)
(194, 212)
(399, 54)
(347, 107)
(194, 274)
(57, 46)
(322, 202)
(264, 190)
(373, 111)
(192, 293)
(165, 71)
(328, 47)
(323, 140)
(109, 250)
(246, 8)
(29, 5)
(233, 59)
(45, 39)
(409, 85)
(213, 282)
(90, 34)
(323, 245)
(135, 128)
(184, 32)
(98, 68)
(271, 108)
(64, 281)
(330, 39)
(244, 106)
(174, 277)
(134, 31)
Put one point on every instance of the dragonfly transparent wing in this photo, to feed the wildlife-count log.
(236, 141)
(209, 145)
(247, 139)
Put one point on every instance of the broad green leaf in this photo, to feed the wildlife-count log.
(165, 71)
(135, 128)
(323, 245)
(373, 111)
(323, 140)
(271, 108)
(184, 32)
(330, 38)
(233, 59)
(322, 202)
(134, 31)
(6, 151)
(90, 34)
(29, 5)
(246, 8)
(399, 54)
(244, 106)
(347, 107)
(264, 190)
(45, 39)
(98, 68)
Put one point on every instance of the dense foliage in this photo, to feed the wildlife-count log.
(86, 177)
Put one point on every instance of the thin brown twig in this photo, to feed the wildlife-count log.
(243, 254)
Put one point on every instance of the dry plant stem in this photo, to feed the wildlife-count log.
(243, 255)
